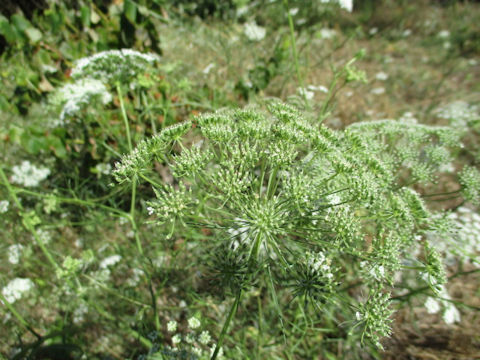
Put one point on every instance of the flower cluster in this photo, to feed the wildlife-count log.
(460, 114)
(469, 178)
(4, 204)
(314, 278)
(450, 313)
(344, 4)
(254, 32)
(16, 288)
(194, 344)
(375, 315)
(78, 95)
(113, 66)
(29, 175)
(14, 253)
(462, 240)
(280, 192)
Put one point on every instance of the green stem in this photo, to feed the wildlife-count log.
(73, 201)
(152, 182)
(331, 93)
(19, 317)
(294, 51)
(260, 316)
(124, 116)
(141, 252)
(444, 193)
(230, 316)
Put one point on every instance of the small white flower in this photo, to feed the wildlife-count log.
(79, 313)
(176, 339)
(103, 168)
(344, 4)
(204, 337)
(293, 11)
(14, 253)
(242, 11)
(444, 34)
(4, 206)
(254, 32)
(193, 323)
(305, 93)
(451, 314)
(358, 316)
(16, 288)
(207, 69)
(190, 339)
(172, 326)
(334, 199)
(44, 236)
(378, 91)
(110, 261)
(373, 31)
(326, 33)
(407, 33)
(382, 76)
(320, 88)
(447, 168)
(432, 305)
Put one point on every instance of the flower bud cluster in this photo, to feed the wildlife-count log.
(113, 65)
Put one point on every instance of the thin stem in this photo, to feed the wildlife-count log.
(331, 94)
(444, 193)
(260, 315)
(294, 51)
(19, 317)
(152, 182)
(230, 316)
(124, 116)
(73, 201)
(141, 252)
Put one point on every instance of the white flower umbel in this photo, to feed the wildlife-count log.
(444, 34)
(344, 4)
(193, 323)
(254, 32)
(462, 243)
(103, 169)
(172, 326)
(378, 91)
(432, 305)
(110, 261)
(459, 113)
(16, 288)
(326, 33)
(4, 206)
(305, 93)
(78, 95)
(14, 253)
(29, 175)
(382, 76)
(451, 314)
(113, 65)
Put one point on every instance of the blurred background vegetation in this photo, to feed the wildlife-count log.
(427, 50)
